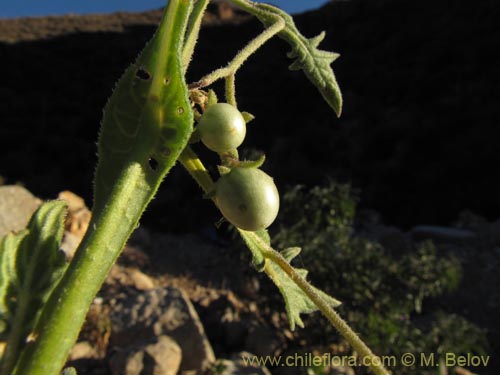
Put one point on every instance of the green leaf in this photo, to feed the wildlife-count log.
(212, 98)
(31, 264)
(314, 62)
(148, 120)
(258, 260)
(8, 249)
(247, 116)
(296, 300)
(146, 124)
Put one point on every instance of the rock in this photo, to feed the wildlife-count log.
(442, 234)
(159, 356)
(82, 350)
(129, 277)
(79, 215)
(161, 311)
(237, 365)
(69, 244)
(16, 207)
(140, 280)
(222, 321)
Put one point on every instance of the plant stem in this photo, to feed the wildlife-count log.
(361, 348)
(113, 220)
(242, 56)
(196, 169)
(65, 311)
(231, 90)
(193, 30)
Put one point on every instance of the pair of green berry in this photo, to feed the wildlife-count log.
(246, 196)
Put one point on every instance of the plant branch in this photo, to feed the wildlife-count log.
(242, 56)
(125, 183)
(231, 90)
(193, 31)
(361, 348)
(196, 169)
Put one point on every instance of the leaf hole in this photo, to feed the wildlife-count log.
(153, 164)
(166, 81)
(141, 73)
(180, 110)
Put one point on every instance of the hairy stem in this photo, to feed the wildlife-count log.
(242, 56)
(65, 311)
(367, 356)
(114, 219)
(193, 30)
(231, 90)
(196, 169)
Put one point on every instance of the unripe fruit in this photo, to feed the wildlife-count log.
(248, 198)
(222, 128)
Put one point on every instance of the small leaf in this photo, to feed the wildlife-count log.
(247, 116)
(252, 163)
(314, 62)
(212, 98)
(290, 253)
(223, 169)
(296, 301)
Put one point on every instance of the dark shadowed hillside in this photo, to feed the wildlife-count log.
(419, 134)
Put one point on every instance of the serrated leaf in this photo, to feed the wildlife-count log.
(314, 62)
(296, 300)
(31, 265)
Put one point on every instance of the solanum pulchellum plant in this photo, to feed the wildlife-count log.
(147, 126)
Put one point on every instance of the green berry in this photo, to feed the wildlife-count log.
(248, 198)
(222, 128)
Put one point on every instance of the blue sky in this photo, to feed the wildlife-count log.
(22, 8)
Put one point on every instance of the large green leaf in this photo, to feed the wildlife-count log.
(148, 120)
(31, 264)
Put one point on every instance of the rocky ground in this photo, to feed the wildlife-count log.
(188, 304)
